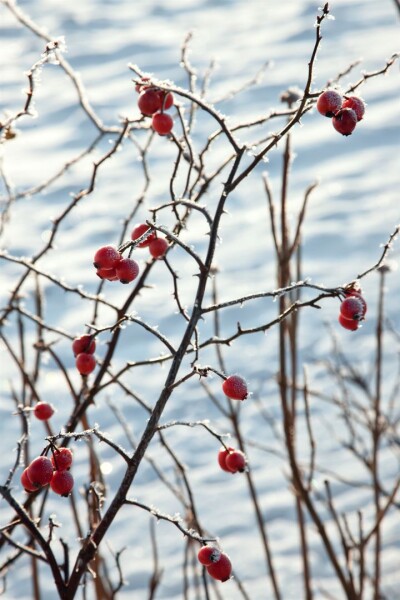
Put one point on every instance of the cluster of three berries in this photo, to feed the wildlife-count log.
(344, 112)
(55, 471)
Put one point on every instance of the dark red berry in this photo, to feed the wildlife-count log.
(222, 569)
(109, 274)
(40, 471)
(127, 270)
(236, 461)
(345, 121)
(166, 98)
(158, 247)
(208, 555)
(62, 483)
(43, 411)
(149, 102)
(350, 324)
(235, 388)
(84, 343)
(222, 455)
(356, 104)
(62, 459)
(162, 123)
(26, 482)
(138, 231)
(329, 103)
(106, 257)
(85, 363)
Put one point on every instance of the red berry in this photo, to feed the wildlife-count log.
(26, 482)
(85, 363)
(329, 103)
(140, 230)
(356, 104)
(43, 411)
(62, 459)
(222, 456)
(162, 123)
(356, 294)
(166, 98)
(208, 555)
(222, 569)
(40, 471)
(109, 274)
(85, 343)
(127, 270)
(235, 388)
(149, 102)
(352, 308)
(350, 324)
(345, 121)
(62, 483)
(236, 461)
(158, 247)
(106, 257)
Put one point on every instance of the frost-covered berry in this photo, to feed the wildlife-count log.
(329, 103)
(62, 483)
(158, 247)
(109, 274)
(127, 270)
(352, 308)
(345, 121)
(235, 387)
(162, 123)
(43, 411)
(149, 101)
(208, 555)
(62, 459)
(26, 482)
(84, 343)
(222, 569)
(106, 257)
(356, 104)
(85, 363)
(138, 231)
(40, 471)
(360, 297)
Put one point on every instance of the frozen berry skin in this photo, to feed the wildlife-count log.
(26, 482)
(207, 555)
(352, 308)
(43, 411)
(149, 102)
(158, 247)
(85, 363)
(162, 123)
(345, 121)
(222, 569)
(62, 483)
(236, 462)
(235, 388)
(356, 104)
(350, 324)
(166, 98)
(84, 343)
(329, 103)
(127, 270)
(109, 274)
(106, 257)
(62, 459)
(40, 471)
(222, 456)
(138, 231)
(356, 294)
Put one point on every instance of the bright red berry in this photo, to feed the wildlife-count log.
(208, 555)
(84, 343)
(62, 459)
(85, 363)
(345, 121)
(356, 104)
(222, 456)
(162, 123)
(62, 483)
(356, 294)
(109, 274)
(222, 569)
(127, 270)
(235, 388)
(158, 247)
(149, 101)
(40, 471)
(43, 411)
(106, 257)
(139, 230)
(350, 324)
(352, 308)
(236, 461)
(26, 482)
(166, 98)
(329, 103)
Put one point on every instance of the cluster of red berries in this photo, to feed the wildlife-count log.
(345, 112)
(352, 310)
(157, 245)
(110, 264)
(43, 471)
(152, 102)
(83, 348)
(216, 562)
(231, 460)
